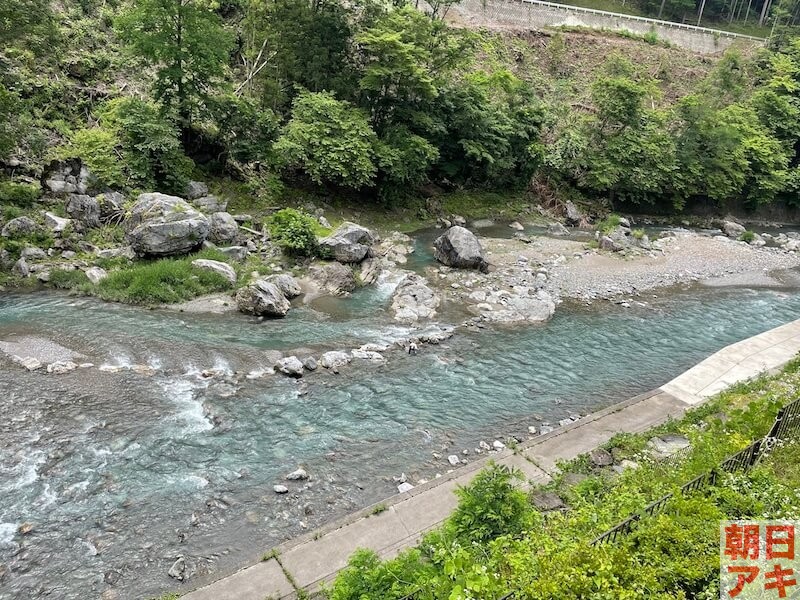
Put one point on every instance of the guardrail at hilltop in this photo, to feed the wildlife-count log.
(540, 14)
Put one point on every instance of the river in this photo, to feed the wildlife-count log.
(120, 471)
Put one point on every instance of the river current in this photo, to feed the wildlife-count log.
(119, 471)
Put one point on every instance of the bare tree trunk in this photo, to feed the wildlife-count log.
(702, 8)
(660, 10)
(747, 13)
(764, 10)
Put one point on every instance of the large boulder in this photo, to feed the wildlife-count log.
(196, 189)
(573, 214)
(291, 366)
(95, 274)
(288, 285)
(55, 223)
(161, 225)
(335, 359)
(111, 207)
(458, 247)
(262, 298)
(84, 211)
(733, 229)
(413, 300)
(68, 177)
(557, 229)
(223, 229)
(210, 204)
(19, 227)
(350, 243)
(215, 266)
(333, 278)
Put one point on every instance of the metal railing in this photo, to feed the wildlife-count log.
(674, 24)
(787, 424)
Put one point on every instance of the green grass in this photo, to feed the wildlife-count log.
(378, 509)
(149, 283)
(484, 205)
(609, 224)
(747, 236)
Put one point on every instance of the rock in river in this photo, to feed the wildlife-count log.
(458, 247)
(299, 474)
(288, 285)
(334, 359)
(414, 300)
(350, 243)
(290, 366)
(333, 278)
(161, 225)
(262, 298)
(733, 229)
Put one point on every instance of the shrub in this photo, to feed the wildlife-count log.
(97, 148)
(14, 246)
(19, 194)
(747, 236)
(163, 281)
(491, 506)
(135, 145)
(68, 279)
(330, 140)
(609, 224)
(638, 234)
(293, 231)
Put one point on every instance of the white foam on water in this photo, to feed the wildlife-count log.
(27, 470)
(222, 366)
(196, 481)
(190, 410)
(388, 281)
(117, 362)
(7, 533)
(47, 496)
(91, 549)
(154, 362)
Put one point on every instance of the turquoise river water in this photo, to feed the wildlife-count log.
(120, 472)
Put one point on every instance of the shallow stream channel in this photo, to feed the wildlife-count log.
(110, 473)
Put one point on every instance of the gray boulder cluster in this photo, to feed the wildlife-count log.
(459, 248)
(622, 238)
(155, 225)
(161, 225)
(350, 243)
(268, 296)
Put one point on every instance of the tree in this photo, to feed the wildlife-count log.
(134, 146)
(489, 132)
(27, 22)
(330, 140)
(405, 54)
(186, 42)
(305, 44)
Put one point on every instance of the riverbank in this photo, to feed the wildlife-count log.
(95, 453)
(305, 563)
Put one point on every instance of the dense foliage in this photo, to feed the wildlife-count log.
(497, 542)
(375, 99)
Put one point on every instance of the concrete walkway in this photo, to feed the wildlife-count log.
(308, 561)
